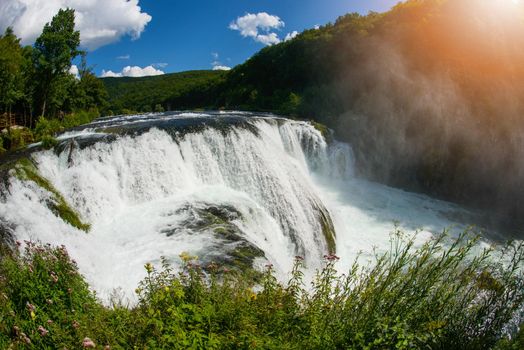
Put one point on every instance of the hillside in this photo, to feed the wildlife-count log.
(192, 89)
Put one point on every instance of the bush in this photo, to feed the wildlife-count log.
(439, 296)
(48, 141)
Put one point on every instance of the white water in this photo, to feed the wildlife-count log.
(132, 190)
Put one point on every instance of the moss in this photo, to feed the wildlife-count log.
(25, 170)
(324, 130)
(244, 255)
(328, 230)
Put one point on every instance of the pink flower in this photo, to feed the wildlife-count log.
(43, 332)
(331, 257)
(54, 277)
(88, 343)
(30, 307)
(25, 338)
(49, 321)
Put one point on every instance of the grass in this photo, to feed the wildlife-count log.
(438, 296)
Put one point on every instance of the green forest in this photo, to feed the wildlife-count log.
(38, 94)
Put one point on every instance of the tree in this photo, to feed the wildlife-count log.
(54, 49)
(11, 88)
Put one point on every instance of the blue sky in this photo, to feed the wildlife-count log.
(175, 35)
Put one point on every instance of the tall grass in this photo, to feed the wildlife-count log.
(445, 294)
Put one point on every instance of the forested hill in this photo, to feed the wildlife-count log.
(170, 91)
(430, 94)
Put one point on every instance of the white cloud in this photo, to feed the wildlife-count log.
(268, 39)
(74, 71)
(160, 65)
(217, 67)
(317, 26)
(251, 24)
(100, 22)
(134, 72)
(124, 57)
(291, 35)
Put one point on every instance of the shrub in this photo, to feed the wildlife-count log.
(48, 141)
(439, 296)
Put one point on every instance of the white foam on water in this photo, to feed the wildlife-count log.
(132, 190)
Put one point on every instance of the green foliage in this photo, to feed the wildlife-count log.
(36, 80)
(48, 141)
(439, 296)
(11, 60)
(16, 138)
(54, 50)
(192, 89)
(159, 108)
(25, 170)
(46, 304)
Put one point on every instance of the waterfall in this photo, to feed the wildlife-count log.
(234, 188)
(142, 193)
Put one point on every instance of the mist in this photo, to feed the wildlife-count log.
(440, 108)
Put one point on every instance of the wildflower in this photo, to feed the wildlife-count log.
(25, 338)
(149, 267)
(43, 332)
(30, 306)
(88, 343)
(49, 321)
(49, 301)
(331, 257)
(226, 270)
(107, 347)
(54, 277)
(76, 324)
(69, 290)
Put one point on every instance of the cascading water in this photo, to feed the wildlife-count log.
(227, 187)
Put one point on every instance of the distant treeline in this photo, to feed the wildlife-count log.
(185, 90)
